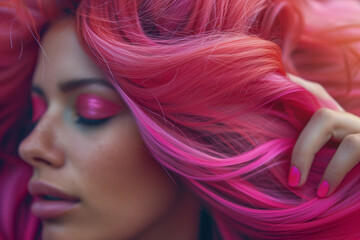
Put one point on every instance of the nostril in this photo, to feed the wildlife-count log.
(37, 159)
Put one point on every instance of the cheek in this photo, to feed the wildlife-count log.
(121, 182)
(121, 162)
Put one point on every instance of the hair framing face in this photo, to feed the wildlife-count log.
(212, 101)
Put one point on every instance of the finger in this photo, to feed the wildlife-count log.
(315, 134)
(345, 159)
(316, 89)
(325, 124)
(345, 124)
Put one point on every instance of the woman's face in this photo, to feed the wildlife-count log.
(86, 144)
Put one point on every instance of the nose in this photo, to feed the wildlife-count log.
(42, 147)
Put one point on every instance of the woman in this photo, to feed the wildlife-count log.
(225, 134)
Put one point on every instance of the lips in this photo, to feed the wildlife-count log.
(50, 202)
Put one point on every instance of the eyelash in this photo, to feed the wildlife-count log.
(80, 120)
(90, 122)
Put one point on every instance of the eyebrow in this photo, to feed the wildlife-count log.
(75, 84)
(78, 83)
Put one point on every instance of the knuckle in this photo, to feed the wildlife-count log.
(352, 141)
(324, 116)
(335, 170)
(318, 87)
(302, 158)
(319, 90)
(300, 153)
(332, 171)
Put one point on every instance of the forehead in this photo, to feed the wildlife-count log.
(61, 55)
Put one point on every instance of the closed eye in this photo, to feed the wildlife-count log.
(93, 110)
(91, 122)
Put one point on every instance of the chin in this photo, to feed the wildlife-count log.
(52, 230)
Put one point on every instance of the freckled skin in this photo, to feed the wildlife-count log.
(124, 192)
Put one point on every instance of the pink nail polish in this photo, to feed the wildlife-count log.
(323, 189)
(294, 176)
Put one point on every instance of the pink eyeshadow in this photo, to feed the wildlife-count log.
(94, 107)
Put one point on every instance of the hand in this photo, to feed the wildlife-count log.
(324, 125)
(316, 89)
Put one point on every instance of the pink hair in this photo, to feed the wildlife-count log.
(206, 82)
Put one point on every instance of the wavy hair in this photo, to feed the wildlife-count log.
(207, 83)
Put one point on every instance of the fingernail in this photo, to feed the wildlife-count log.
(294, 176)
(323, 189)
